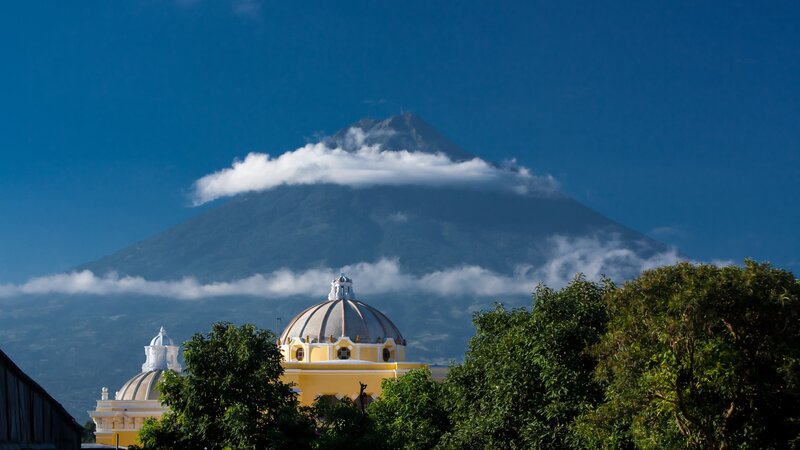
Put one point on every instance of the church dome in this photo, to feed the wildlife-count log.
(342, 315)
(141, 387)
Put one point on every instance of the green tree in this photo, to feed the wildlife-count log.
(230, 396)
(341, 424)
(699, 356)
(528, 374)
(87, 435)
(410, 413)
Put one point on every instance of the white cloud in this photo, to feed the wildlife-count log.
(364, 165)
(250, 9)
(421, 340)
(593, 256)
(247, 8)
(399, 217)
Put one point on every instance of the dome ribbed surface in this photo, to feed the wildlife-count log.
(141, 387)
(342, 317)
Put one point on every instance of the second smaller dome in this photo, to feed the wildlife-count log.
(141, 387)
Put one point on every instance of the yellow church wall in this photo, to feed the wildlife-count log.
(319, 354)
(123, 418)
(126, 438)
(341, 379)
(369, 353)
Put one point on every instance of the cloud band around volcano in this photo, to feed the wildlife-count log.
(364, 165)
(588, 255)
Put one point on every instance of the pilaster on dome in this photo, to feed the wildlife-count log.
(341, 288)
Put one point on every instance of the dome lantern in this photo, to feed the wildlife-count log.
(341, 288)
(161, 354)
(162, 339)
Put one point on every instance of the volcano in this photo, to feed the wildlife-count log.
(75, 344)
(327, 225)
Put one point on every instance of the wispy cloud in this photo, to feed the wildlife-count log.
(399, 217)
(668, 231)
(593, 256)
(360, 165)
(247, 8)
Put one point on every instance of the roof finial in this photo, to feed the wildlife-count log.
(341, 288)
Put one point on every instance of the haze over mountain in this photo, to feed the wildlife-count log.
(426, 253)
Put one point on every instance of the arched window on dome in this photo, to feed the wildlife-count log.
(387, 354)
(343, 353)
(299, 354)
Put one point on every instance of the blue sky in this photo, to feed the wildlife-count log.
(680, 120)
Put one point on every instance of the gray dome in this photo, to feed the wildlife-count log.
(342, 317)
(141, 387)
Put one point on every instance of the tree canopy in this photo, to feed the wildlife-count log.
(527, 374)
(684, 356)
(230, 396)
(410, 412)
(700, 356)
(343, 425)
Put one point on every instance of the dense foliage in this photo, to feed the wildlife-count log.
(527, 374)
(699, 356)
(410, 412)
(230, 396)
(343, 425)
(87, 435)
(685, 356)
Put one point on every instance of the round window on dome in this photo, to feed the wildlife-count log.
(299, 354)
(386, 354)
(344, 353)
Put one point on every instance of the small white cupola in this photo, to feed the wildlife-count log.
(162, 354)
(341, 288)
